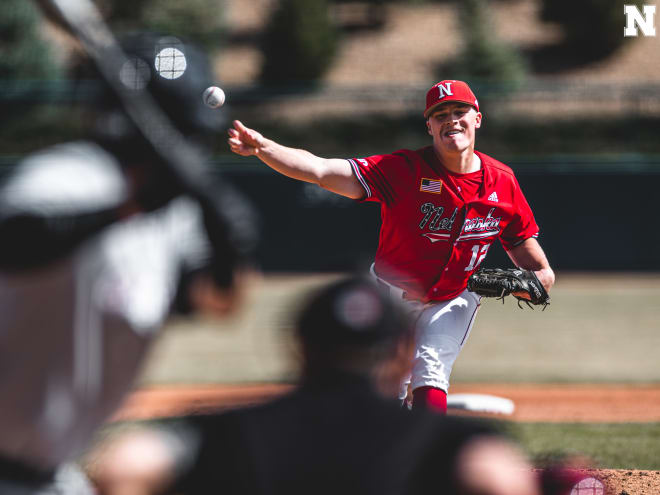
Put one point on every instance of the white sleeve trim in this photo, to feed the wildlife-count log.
(358, 174)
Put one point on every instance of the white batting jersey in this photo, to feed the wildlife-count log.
(73, 334)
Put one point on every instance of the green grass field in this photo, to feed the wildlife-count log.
(599, 328)
(611, 446)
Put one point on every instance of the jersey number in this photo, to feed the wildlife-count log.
(478, 256)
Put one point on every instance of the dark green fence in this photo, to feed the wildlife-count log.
(594, 214)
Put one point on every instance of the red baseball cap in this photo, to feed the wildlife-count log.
(449, 90)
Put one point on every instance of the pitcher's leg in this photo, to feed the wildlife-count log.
(442, 329)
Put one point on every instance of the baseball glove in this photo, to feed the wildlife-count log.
(499, 282)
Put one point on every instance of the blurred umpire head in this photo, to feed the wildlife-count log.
(353, 326)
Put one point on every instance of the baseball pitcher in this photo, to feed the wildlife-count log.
(442, 207)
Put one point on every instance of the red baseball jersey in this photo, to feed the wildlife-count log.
(437, 226)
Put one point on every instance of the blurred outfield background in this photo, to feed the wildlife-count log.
(568, 102)
(599, 328)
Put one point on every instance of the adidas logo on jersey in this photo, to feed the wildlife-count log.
(493, 197)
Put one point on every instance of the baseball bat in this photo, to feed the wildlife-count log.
(230, 221)
(82, 19)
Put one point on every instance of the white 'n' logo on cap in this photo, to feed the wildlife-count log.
(442, 89)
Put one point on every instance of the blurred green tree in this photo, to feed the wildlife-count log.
(299, 42)
(24, 54)
(593, 28)
(371, 14)
(483, 57)
(201, 21)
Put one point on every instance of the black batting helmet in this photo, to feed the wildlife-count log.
(175, 73)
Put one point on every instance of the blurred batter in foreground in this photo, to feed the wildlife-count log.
(99, 246)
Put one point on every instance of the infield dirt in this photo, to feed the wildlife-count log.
(534, 403)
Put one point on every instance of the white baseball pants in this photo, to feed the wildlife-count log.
(441, 330)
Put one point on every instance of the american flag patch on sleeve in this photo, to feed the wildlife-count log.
(431, 186)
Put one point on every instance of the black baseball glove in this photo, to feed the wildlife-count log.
(499, 282)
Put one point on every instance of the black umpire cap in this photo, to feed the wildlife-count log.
(353, 311)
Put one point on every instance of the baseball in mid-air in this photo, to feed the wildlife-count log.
(214, 97)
